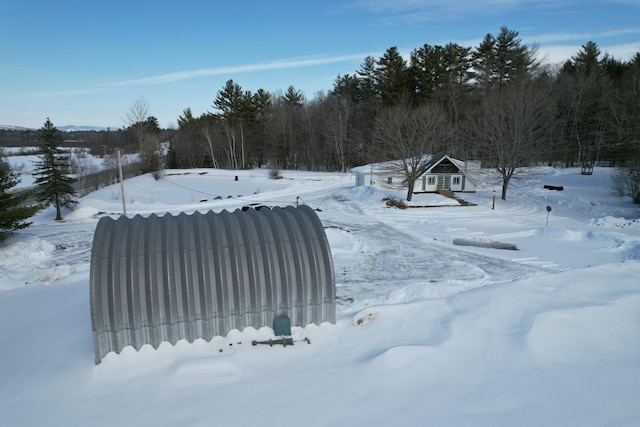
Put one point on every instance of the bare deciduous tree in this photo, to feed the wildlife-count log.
(136, 119)
(207, 128)
(336, 126)
(511, 126)
(406, 137)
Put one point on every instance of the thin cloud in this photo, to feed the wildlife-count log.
(56, 93)
(237, 69)
(582, 37)
(194, 74)
(555, 54)
(434, 8)
(404, 5)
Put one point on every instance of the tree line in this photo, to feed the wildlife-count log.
(58, 179)
(494, 102)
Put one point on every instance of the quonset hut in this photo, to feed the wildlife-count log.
(167, 278)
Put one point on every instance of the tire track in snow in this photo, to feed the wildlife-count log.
(385, 264)
(72, 242)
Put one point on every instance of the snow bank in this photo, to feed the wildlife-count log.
(24, 260)
(428, 332)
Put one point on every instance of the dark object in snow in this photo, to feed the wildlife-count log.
(491, 245)
(282, 341)
(554, 187)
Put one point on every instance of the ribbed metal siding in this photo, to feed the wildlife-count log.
(169, 278)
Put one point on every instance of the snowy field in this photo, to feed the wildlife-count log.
(428, 333)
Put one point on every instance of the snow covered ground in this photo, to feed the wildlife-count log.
(427, 332)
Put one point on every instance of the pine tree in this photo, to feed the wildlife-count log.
(502, 60)
(392, 77)
(367, 79)
(427, 71)
(14, 208)
(293, 101)
(51, 173)
(435, 69)
(228, 102)
(588, 59)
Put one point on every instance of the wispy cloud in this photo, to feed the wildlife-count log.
(583, 37)
(415, 11)
(194, 74)
(237, 69)
(53, 94)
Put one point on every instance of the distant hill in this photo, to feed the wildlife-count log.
(74, 128)
(9, 127)
(67, 128)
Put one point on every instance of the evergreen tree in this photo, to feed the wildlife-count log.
(457, 60)
(362, 106)
(484, 62)
(293, 101)
(347, 86)
(367, 79)
(588, 59)
(392, 78)
(427, 70)
(13, 205)
(229, 102)
(436, 68)
(501, 60)
(151, 157)
(258, 111)
(51, 173)
(185, 151)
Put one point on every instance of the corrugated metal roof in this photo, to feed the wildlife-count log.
(156, 279)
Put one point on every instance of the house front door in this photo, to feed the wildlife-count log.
(444, 182)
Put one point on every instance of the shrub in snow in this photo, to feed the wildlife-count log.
(396, 203)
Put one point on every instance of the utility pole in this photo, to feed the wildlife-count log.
(124, 206)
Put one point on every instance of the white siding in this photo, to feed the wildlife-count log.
(456, 182)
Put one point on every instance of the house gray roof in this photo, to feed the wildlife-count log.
(433, 161)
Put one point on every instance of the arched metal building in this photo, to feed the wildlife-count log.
(167, 278)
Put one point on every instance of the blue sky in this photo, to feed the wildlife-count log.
(86, 62)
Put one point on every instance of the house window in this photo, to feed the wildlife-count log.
(456, 180)
(389, 180)
(431, 180)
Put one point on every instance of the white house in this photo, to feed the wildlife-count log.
(440, 172)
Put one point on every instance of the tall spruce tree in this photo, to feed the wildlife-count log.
(14, 208)
(229, 102)
(436, 69)
(51, 172)
(392, 78)
(502, 60)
